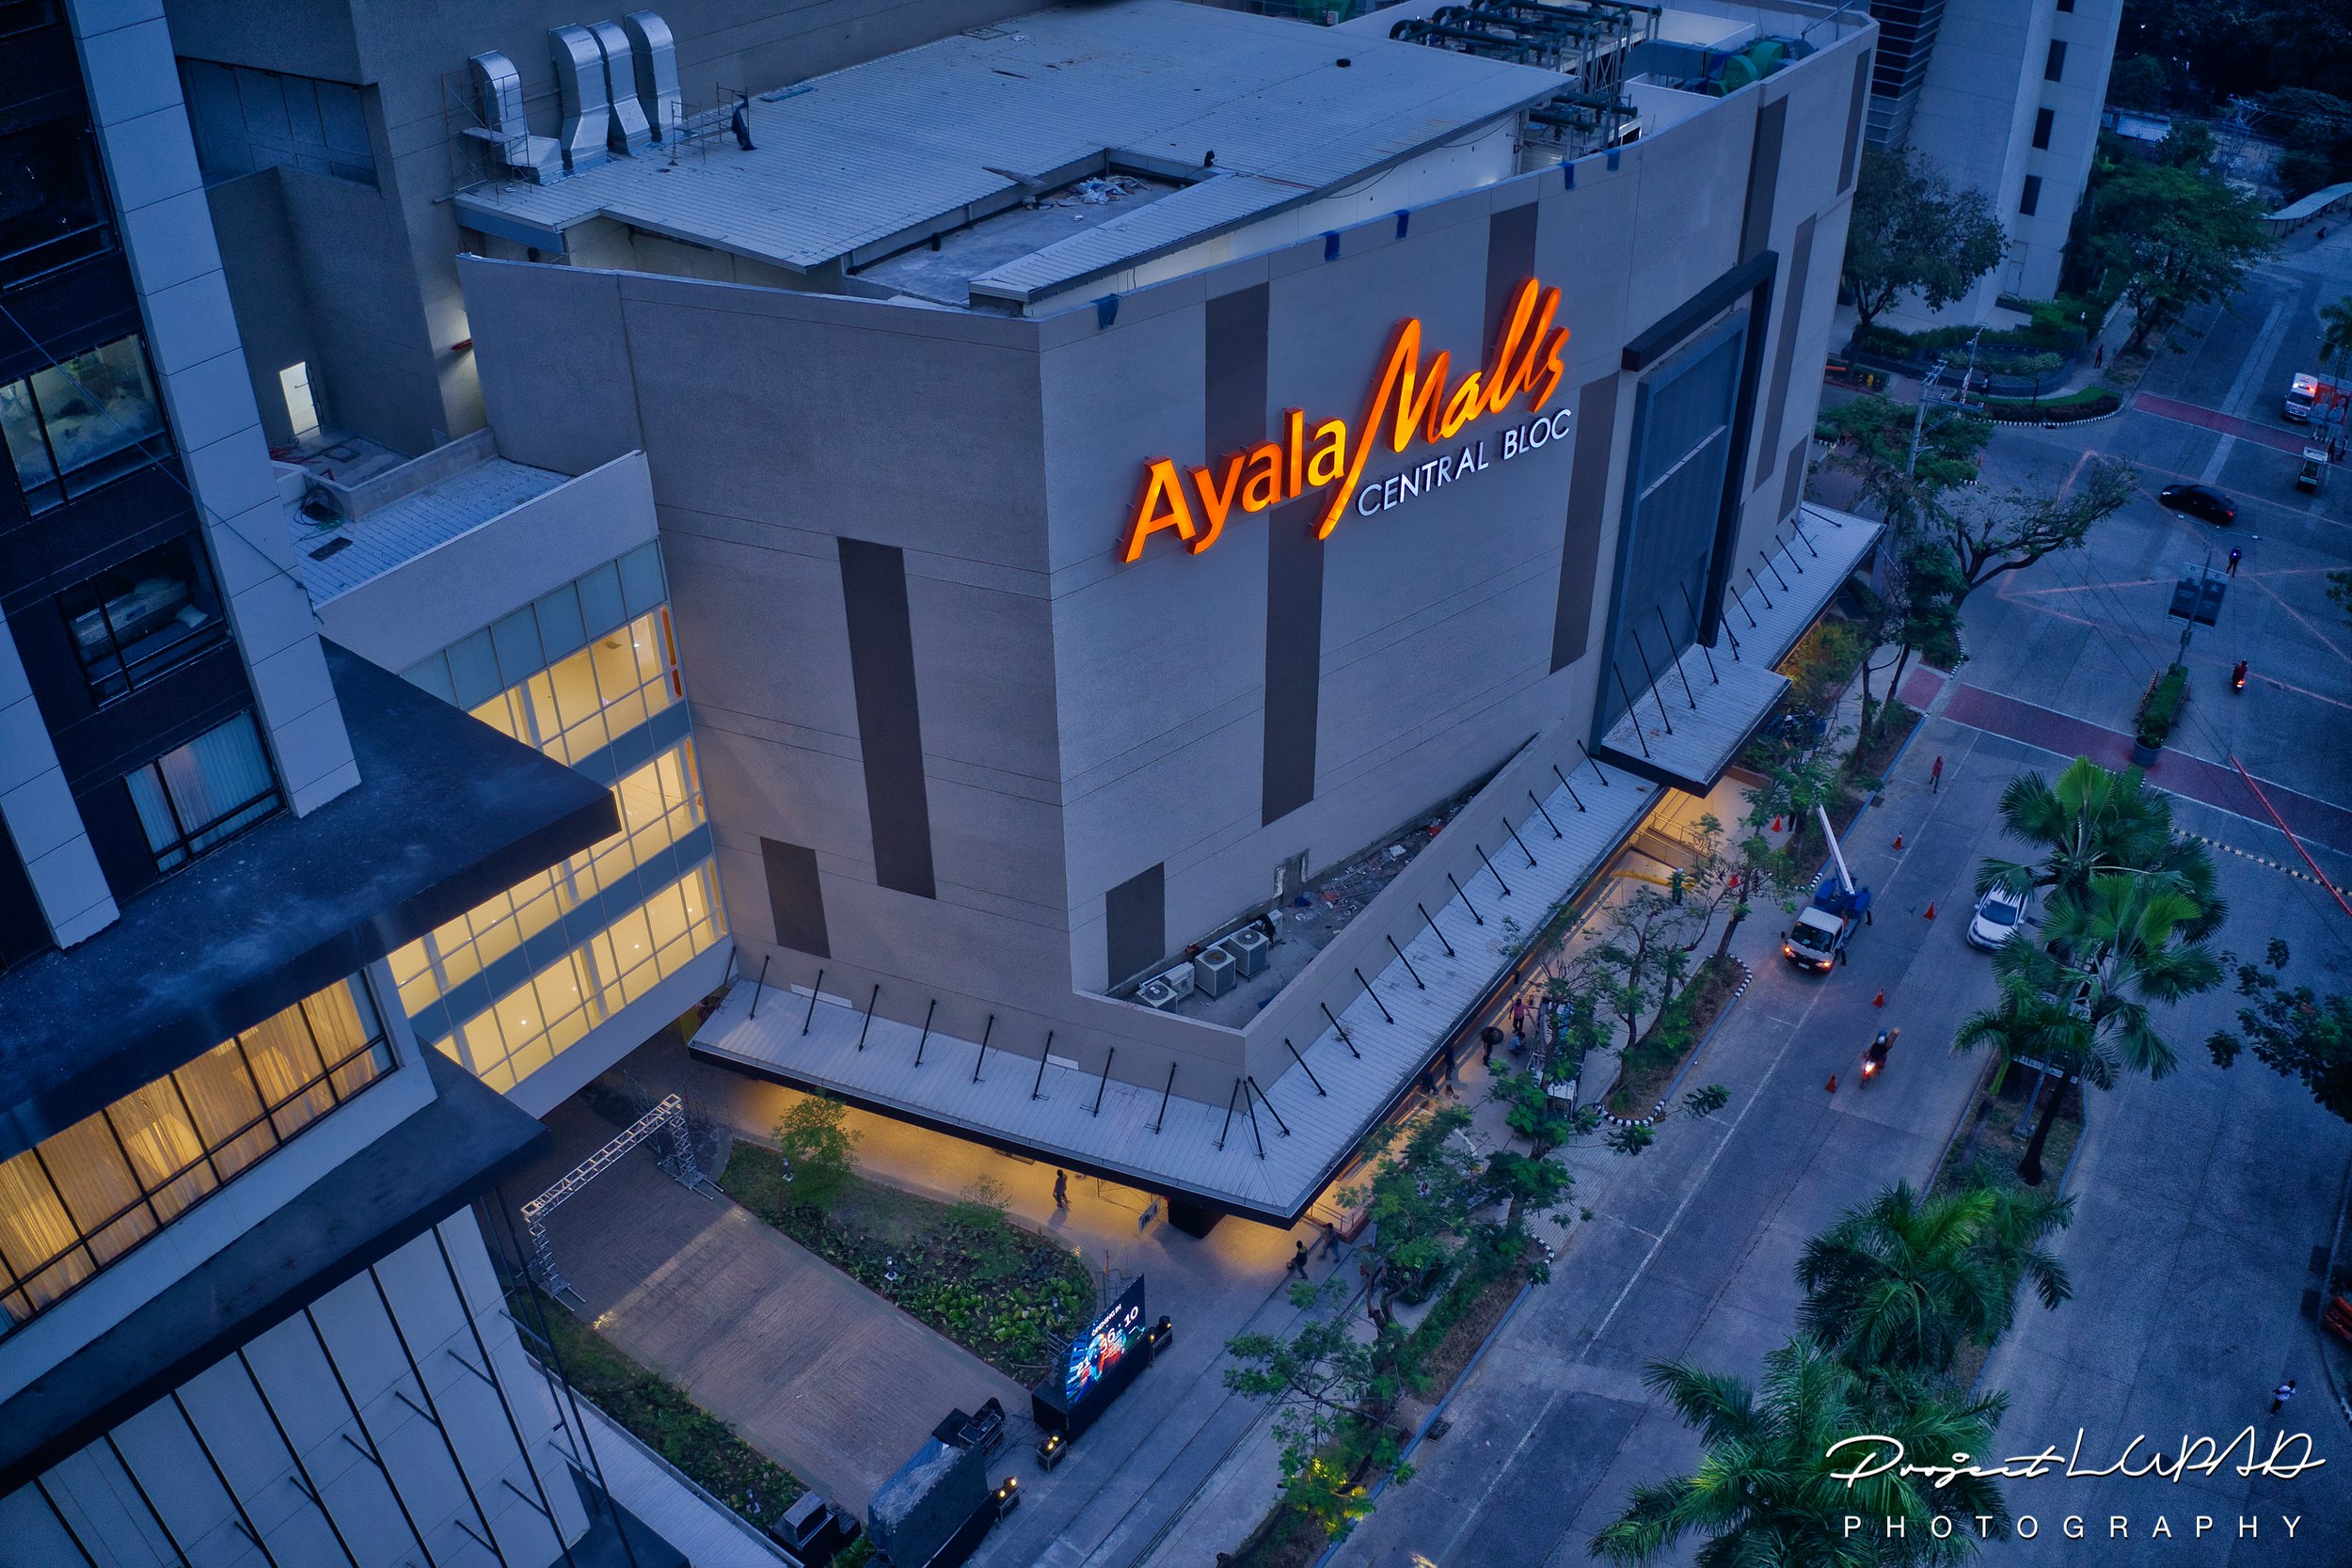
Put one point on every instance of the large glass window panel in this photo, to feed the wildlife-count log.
(147, 616)
(166, 1154)
(51, 211)
(203, 794)
(28, 447)
(85, 1196)
(98, 409)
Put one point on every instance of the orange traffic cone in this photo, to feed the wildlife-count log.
(1832, 1083)
(1880, 1001)
(1931, 911)
(1776, 824)
(1898, 841)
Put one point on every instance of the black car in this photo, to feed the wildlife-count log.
(2200, 500)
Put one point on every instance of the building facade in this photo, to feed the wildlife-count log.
(247, 1315)
(2005, 98)
(1045, 629)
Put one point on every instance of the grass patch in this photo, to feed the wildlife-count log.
(660, 1415)
(1645, 1070)
(1003, 1293)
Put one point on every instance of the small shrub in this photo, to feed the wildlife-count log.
(2161, 706)
(820, 1148)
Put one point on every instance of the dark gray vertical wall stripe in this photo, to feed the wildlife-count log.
(1579, 549)
(1135, 923)
(1855, 108)
(1756, 229)
(795, 897)
(1236, 405)
(1791, 323)
(890, 733)
(1510, 258)
(1792, 485)
(1294, 658)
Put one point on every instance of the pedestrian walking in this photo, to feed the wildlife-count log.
(2280, 1395)
(1452, 1073)
(1935, 777)
(2236, 556)
(1298, 1263)
(1062, 1189)
(1488, 1038)
(1518, 1015)
(1330, 1239)
(2099, 357)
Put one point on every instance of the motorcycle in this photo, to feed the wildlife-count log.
(2237, 676)
(1874, 1059)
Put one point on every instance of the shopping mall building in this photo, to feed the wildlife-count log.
(1127, 473)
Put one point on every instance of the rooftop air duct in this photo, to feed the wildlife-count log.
(654, 53)
(587, 111)
(499, 99)
(627, 131)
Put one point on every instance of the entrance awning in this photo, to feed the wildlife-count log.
(1265, 1158)
(1686, 728)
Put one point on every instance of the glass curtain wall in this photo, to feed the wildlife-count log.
(76, 1201)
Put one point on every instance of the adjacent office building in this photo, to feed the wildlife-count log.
(247, 1312)
(2004, 98)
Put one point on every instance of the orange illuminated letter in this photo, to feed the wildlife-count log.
(1264, 487)
(1329, 464)
(1216, 499)
(1162, 506)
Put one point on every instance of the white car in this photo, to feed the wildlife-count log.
(1999, 912)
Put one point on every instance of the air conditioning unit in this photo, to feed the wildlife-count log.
(1248, 946)
(1157, 993)
(1178, 981)
(1212, 972)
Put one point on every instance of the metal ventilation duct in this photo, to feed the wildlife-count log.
(499, 99)
(654, 51)
(587, 111)
(627, 131)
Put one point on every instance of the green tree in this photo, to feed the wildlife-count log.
(2295, 1032)
(1423, 1207)
(2139, 82)
(1911, 232)
(1923, 591)
(820, 1148)
(1330, 1401)
(2335, 334)
(2082, 1005)
(2173, 238)
(1989, 535)
(1873, 437)
(2094, 822)
(1537, 1181)
(1639, 955)
(1771, 1491)
(1905, 1282)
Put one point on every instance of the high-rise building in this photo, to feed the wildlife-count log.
(2005, 98)
(246, 1311)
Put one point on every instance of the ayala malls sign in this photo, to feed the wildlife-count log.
(1411, 402)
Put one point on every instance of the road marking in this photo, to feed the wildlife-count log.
(2258, 859)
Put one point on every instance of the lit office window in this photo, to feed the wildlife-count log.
(205, 793)
(81, 423)
(149, 615)
(660, 803)
(80, 1199)
(579, 704)
(51, 210)
(523, 1030)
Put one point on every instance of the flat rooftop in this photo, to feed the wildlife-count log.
(859, 165)
(336, 556)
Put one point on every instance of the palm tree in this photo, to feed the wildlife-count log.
(1903, 1282)
(2335, 335)
(2094, 821)
(1771, 1490)
(2081, 1007)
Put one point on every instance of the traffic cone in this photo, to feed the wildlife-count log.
(1931, 911)
(1880, 1001)
(1832, 1083)
(1898, 841)
(1776, 824)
